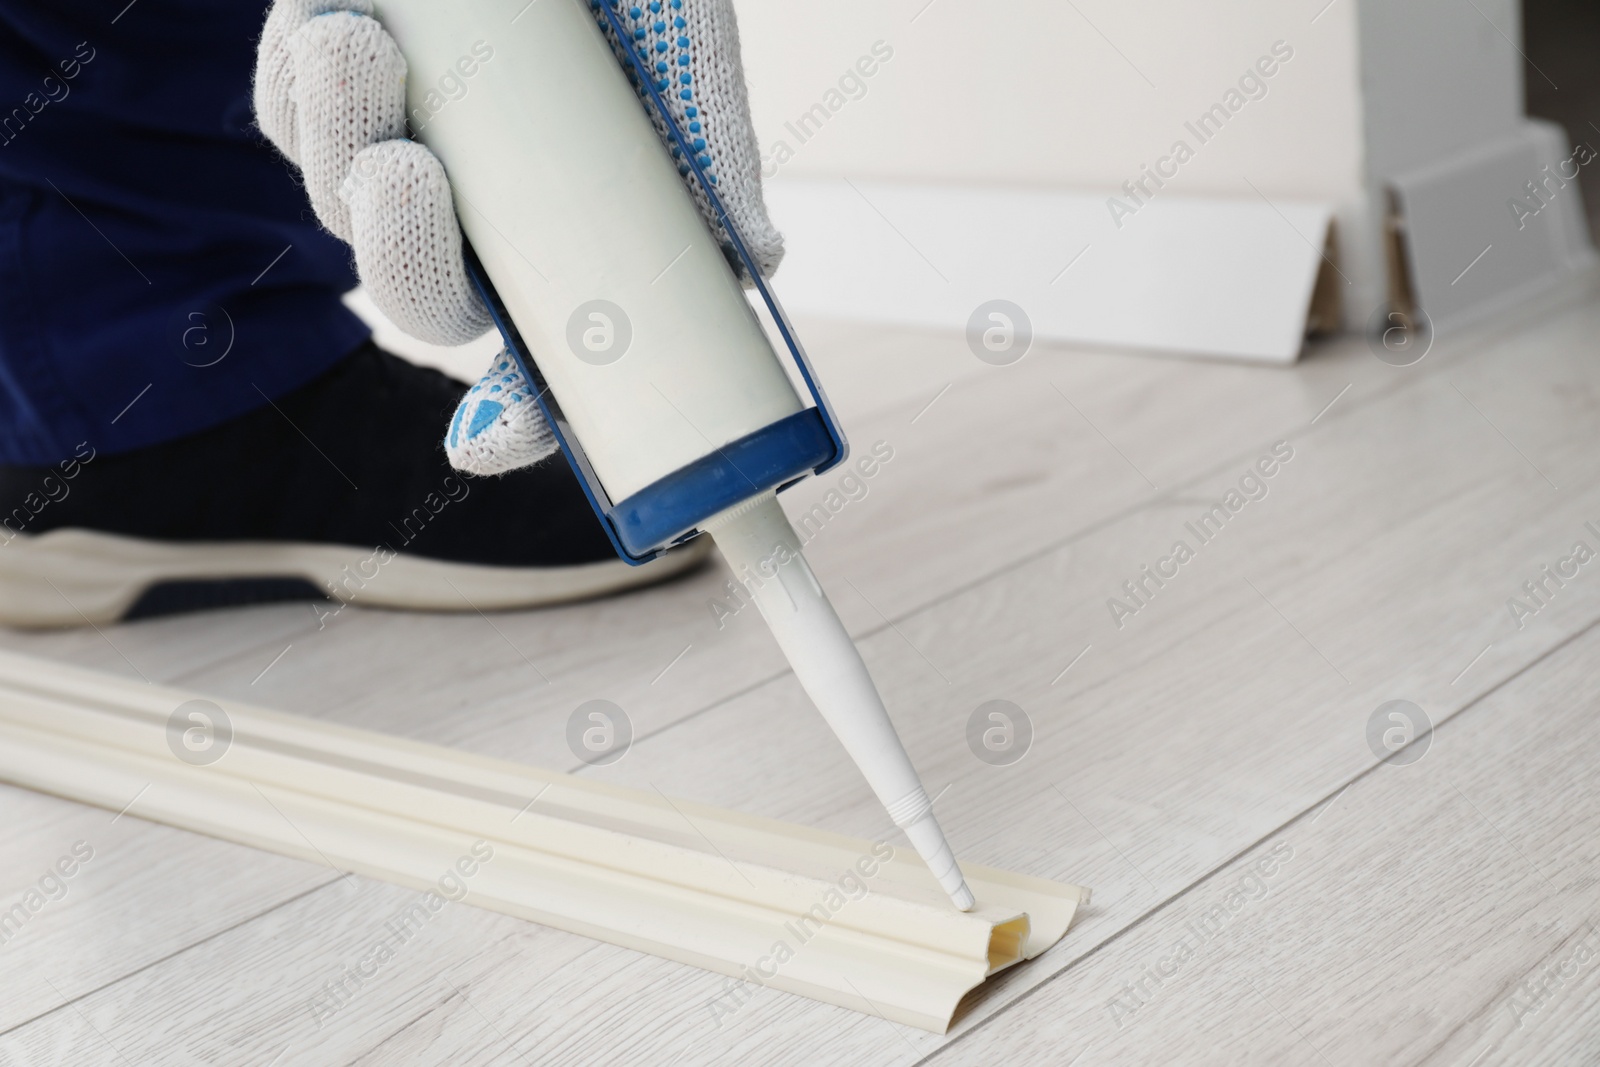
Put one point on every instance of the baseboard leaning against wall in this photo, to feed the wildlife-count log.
(862, 925)
(1239, 278)
(1486, 228)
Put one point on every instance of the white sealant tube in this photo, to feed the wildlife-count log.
(757, 539)
(568, 196)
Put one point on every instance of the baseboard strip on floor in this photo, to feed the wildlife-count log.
(1228, 276)
(850, 922)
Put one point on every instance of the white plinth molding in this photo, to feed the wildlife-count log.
(1223, 277)
(704, 886)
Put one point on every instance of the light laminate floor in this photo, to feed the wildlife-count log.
(1266, 889)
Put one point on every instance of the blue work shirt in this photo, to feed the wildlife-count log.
(160, 268)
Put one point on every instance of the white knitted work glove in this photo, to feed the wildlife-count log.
(330, 94)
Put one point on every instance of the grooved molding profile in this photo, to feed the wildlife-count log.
(850, 922)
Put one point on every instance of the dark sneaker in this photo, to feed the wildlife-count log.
(339, 490)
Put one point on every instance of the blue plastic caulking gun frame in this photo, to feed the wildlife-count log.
(668, 512)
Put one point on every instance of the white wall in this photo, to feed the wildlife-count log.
(1029, 92)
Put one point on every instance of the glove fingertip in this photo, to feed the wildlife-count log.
(408, 244)
(498, 426)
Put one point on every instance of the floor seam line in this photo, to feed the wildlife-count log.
(1280, 828)
(174, 954)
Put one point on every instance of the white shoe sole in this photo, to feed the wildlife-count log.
(75, 577)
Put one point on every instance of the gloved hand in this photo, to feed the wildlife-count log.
(330, 94)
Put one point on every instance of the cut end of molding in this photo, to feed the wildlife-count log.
(689, 882)
(1006, 944)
